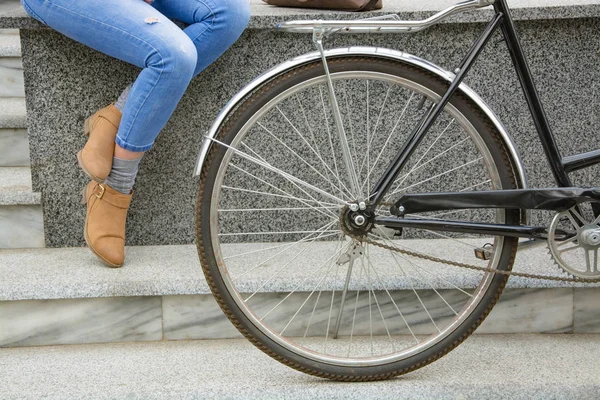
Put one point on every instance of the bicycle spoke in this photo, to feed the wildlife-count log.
(426, 281)
(367, 155)
(316, 146)
(387, 94)
(278, 271)
(355, 154)
(328, 213)
(300, 284)
(292, 183)
(370, 291)
(255, 251)
(317, 286)
(415, 292)
(333, 156)
(253, 210)
(422, 268)
(389, 136)
(301, 200)
(396, 306)
(280, 172)
(354, 316)
(435, 176)
(379, 308)
(302, 159)
(329, 317)
(475, 186)
(418, 165)
(303, 240)
(275, 233)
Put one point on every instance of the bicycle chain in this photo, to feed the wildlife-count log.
(363, 239)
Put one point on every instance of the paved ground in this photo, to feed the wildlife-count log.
(485, 367)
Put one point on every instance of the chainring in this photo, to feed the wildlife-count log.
(577, 254)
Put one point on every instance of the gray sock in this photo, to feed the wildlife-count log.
(120, 104)
(122, 175)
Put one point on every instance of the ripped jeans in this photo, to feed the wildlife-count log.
(142, 34)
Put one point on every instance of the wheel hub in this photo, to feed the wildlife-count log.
(357, 223)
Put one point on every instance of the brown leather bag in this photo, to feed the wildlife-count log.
(345, 5)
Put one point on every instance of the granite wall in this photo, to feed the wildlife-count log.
(65, 82)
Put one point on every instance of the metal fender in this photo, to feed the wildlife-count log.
(361, 51)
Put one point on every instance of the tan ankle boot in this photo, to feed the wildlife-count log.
(105, 222)
(96, 157)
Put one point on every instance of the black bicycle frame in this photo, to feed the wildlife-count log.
(560, 167)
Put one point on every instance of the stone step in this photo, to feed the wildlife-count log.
(10, 43)
(12, 113)
(14, 147)
(11, 66)
(14, 143)
(7, 5)
(66, 296)
(21, 220)
(518, 367)
(11, 78)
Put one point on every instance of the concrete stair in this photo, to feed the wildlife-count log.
(21, 217)
(517, 367)
(11, 67)
(14, 144)
(66, 296)
(21, 220)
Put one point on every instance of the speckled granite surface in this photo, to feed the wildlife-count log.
(524, 367)
(62, 75)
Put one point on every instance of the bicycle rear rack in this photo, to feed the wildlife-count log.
(380, 24)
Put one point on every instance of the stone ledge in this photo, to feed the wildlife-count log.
(10, 46)
(13, 114)
(265, 17)
(15, 187)
(69, 273)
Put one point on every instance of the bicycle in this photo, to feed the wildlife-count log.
(342, 193)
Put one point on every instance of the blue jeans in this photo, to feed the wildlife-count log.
(142, 34)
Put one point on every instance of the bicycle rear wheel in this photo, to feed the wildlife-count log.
(272, 194)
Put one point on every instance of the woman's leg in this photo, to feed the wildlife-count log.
(214, 25)
(135, 32)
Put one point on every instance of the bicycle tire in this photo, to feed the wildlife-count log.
(212, 221)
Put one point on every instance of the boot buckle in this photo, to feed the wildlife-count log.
(99, 195)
